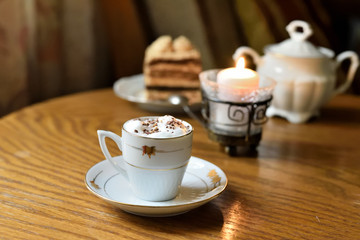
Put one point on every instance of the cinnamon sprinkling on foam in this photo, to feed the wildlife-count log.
(153, 125)
(159, 127)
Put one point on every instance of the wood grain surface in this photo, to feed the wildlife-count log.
(304, 182)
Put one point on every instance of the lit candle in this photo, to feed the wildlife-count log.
(238, 77)
(234, 85)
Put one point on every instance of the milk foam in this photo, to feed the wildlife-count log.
(158, 127)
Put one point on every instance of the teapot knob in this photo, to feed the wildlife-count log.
(299, 36)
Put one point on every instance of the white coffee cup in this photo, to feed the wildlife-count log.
(154, 167)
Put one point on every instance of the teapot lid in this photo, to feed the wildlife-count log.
(297, 45)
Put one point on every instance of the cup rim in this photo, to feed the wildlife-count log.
(157, 138)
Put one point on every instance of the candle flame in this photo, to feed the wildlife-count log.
(240, 64)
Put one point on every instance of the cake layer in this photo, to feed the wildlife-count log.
(187, 76)
(171, 82)
(193, 96)
(171, 56)
(183, 61)
(164, 66)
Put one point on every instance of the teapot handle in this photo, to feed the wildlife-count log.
(241, 51)
(351, 72)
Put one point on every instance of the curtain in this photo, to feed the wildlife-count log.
(49, 48)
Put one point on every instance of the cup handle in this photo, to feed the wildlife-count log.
(117, 139)
(241, 51)
(351, 72)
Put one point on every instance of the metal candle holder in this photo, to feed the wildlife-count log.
(233, 140)
(236, 125)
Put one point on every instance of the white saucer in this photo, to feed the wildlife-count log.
(196, 189)
(132, 88)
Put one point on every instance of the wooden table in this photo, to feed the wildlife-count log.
(303, 184)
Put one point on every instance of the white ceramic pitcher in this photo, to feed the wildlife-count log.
(305, 74)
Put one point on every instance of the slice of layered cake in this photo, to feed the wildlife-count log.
(172, 65)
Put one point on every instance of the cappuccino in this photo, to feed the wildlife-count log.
(155, 153)
(158, 127)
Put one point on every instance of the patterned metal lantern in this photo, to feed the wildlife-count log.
(234, 117)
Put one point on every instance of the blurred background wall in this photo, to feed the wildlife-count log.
(50, 48)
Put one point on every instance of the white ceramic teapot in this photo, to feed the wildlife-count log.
(305, 74)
